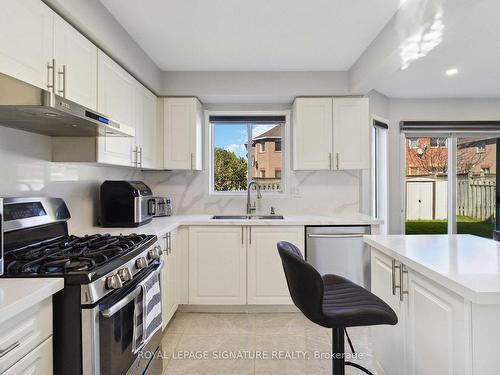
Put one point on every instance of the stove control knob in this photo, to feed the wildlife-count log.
(125, 274)
(154, 253)
(141, 262)
(114, 282)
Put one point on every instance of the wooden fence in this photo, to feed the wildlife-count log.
(476, 196)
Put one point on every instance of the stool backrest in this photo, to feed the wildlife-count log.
(304, 282)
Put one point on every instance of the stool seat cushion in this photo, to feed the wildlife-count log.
(346, 304)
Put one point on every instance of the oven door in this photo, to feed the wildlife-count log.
(107, 332)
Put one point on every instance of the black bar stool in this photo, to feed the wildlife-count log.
(332, 302)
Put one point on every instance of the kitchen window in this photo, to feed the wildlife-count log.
(238, 153)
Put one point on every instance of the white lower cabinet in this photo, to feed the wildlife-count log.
(37, 362)
(432, 336)
(265, 275)
(217, 265)
(437, 322)
(169, 284)
(26, 341)
(237, 265)
(390, 361)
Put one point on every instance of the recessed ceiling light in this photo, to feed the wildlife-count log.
(451, 72)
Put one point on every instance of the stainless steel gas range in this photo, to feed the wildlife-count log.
(95, 322)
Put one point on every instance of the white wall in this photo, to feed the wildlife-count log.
(426, 110)
(26, 171)
(253, 87)
(92, 19)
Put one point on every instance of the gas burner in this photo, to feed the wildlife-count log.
(71, 254)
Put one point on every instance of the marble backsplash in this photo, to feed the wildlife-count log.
(321, 192)
(26, 171)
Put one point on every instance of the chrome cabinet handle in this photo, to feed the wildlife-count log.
(250, 235)
(169, 236)
(337, 160)
(330, 158)
(140, 157)
(7, 350)
(166, 243)
(135, 157)
(242, 236)
(191, 160)
(393, 278)
(402, 272)
(62, 73)
(335, 235)
(51, 68)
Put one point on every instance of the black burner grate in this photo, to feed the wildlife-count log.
(71, 254)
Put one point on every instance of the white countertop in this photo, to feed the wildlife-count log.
(466, 264)
(19, 294)
(162, 225)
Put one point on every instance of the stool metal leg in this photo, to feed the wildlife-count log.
(338, 362)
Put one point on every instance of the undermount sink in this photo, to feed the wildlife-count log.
(247, 217)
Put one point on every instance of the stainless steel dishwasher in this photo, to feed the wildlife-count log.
(340, 250)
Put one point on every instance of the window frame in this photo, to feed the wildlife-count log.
(286, 161)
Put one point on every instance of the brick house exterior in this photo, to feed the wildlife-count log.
(429, 155)
(267, 154)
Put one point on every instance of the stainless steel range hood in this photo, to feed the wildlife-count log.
(32, 109)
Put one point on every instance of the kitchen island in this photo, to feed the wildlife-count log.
(445, 290)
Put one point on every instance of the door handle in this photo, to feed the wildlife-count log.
(360, 235)
(393, 278)
(402, 272)
(337, 160)
(121, 303)
(330, 158)
(51, 68)
(191, 156)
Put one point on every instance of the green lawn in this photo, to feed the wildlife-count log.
(465, 225)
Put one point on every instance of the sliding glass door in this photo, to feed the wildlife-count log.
(450, 183)
(476, 185)
(426, 184)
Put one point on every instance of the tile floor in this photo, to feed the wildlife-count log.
(271, 334)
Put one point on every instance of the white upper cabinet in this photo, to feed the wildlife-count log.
(146, 128)
(351, 133)
(312, 134)
(26, 40)
(183, 119)
(116, 95)
(76, 65)
(330, 134)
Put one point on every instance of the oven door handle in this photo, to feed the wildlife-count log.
(112, 310)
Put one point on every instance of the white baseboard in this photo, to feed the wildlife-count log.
(238, 308)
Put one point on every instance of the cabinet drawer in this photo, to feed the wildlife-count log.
(21, 334)
(38, 362)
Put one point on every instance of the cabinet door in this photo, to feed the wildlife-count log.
(312, 134)
(437, 322)
(266, 278)
(169, 278)
(146, 127)
(37, 362)
(116, 94)
(183, 120)
(351, 133)
(79, 56)
(26, 40)
(388, 341)
(217, 265)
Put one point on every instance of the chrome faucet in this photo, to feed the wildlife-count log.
(251, 208)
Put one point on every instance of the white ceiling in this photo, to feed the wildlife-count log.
(466, 36)
(253, 35)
